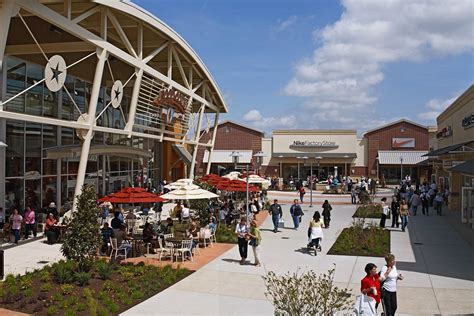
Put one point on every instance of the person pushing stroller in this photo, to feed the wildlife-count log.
(315, 233)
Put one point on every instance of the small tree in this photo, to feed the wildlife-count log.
(306, 293)
(82, 237)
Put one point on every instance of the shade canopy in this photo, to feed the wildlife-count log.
(236, 186)
(397, 157)
(253, 178)
(234, 175)
(132, 195)
(192, 192)
(179, 184)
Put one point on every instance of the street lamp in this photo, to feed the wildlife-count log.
(345, 165)
(318, 158)
(281, 165)
(401, 169)
(235, 159)
(259, 159)
(298, 167)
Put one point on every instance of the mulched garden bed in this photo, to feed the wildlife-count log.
(354, 241)
(368, 211)
(109, 290)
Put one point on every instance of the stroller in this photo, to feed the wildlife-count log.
(315, 235)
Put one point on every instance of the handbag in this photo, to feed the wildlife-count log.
(364, 305)
(253, 242)
(399, 221)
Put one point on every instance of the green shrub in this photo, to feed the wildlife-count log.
(63, 271)
(69, 312)
(28, 292)
(104, 269)
(136, 295)
(368, 211)
(357, 241)
(81, 240)
(80, 307)
(46, 287)
(82, 278)
(45, 275)
(67, 289)
(52, 310)
(306, 293)
(57, 297)
(225, 234)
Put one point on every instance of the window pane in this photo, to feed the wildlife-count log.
(15, 149)
(68, 106)
(49, 190)
(33, 193)
(67, 136)
(50, 103)
(13, 194)
(33, 150)
(15, 83)
(34, 96)
(49, 167)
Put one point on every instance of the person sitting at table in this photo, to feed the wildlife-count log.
(106, 233)
(193, 233)
(145, 209)
(51, 232)
(212, 224)
(116, 222)
(131, 215)
(185, 213)
(122, 237)
(177, 211)
(148, 236)
(169, 228)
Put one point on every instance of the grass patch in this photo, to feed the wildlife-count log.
(368, 211)
(226, 234)
(356, 241)
(126, 285)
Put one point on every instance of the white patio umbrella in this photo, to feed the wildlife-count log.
(179, 184)
(253, 178)
(234, 175)
(191, 192)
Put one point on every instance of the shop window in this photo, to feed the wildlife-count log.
(34, 96)
(33, 192)
(33, 150)
(16, 83)
(49, 190)
(13, 194)
(68, 107)
(15, 151)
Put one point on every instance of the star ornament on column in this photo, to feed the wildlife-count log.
(55, 73)
(116, 94)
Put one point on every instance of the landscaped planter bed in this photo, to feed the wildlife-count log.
(368, 211)
(355, 241)
(55, 290)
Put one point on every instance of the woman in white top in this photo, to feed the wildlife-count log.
(315, 233)
(389, 276)
(242, 232)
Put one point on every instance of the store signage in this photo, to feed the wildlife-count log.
(173, 104)
(309, 144)
(445, 132)
(403, 143)
(468, 121)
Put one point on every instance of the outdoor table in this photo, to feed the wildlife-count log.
(61, 230)
(175, 241)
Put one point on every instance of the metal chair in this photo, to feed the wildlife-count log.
(116, 249)
(186, 247)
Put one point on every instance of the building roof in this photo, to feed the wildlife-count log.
(446, 150)
(397, 157)
(466, 168)
(456, 104)
(241, 125)
(224, 156)
(403, 120)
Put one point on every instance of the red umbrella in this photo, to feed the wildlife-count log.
(132, 195)
(236, 186)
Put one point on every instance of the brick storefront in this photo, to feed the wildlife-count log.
(230, 136)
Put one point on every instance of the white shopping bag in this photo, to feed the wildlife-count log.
(281, 223)
(364, 305)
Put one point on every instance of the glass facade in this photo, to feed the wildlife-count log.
(303, 171)
(32, 176)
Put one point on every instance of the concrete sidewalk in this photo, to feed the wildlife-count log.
(436, 261)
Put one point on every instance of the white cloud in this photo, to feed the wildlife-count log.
(252, 115)
(285, 24)
(254, 118)
(344, 71)
(435, 107)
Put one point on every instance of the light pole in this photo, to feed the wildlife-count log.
(235, 159)
(281, 165)
(298, 168)
(401, 169)
(345, 165)
(318, 158)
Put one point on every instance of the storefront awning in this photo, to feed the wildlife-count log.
(396, 157)
(465, 168)
(314, 155)
(447, 150)
(182, 153)
(113, 150)
(224, 156)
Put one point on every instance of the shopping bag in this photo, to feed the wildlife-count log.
(281, 223)
(399, 221)
(364, 305)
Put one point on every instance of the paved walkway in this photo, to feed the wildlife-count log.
(437, 262)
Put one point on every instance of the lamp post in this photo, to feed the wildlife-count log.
(345, 165)
(401, 169)
(235, 159)
(318, 158)
(298, 167)
(281, 165)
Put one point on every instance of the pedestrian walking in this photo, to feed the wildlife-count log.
(370, 284)
(276, 213)
(389, 276)
(255, 241)
(415, 201)
(16, 220)
(385, 211)
(296, 213)
(353, 196)
(425, 201)
(315, 233)
(302, 193)
(395, 208)
(29, 219)
(327, 208)
(404, 214)
(242, 232)
(438, 203)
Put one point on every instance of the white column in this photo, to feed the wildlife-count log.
(86, 144)
(196, 140)
(134, 101)
(6, 11)
(214, 132)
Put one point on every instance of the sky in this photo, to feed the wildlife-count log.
(329, 64)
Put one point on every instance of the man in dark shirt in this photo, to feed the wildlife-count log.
(115, 223)
(106, 232)
(276, 213)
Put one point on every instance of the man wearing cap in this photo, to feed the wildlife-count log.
(276, 212)
(52, 209)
